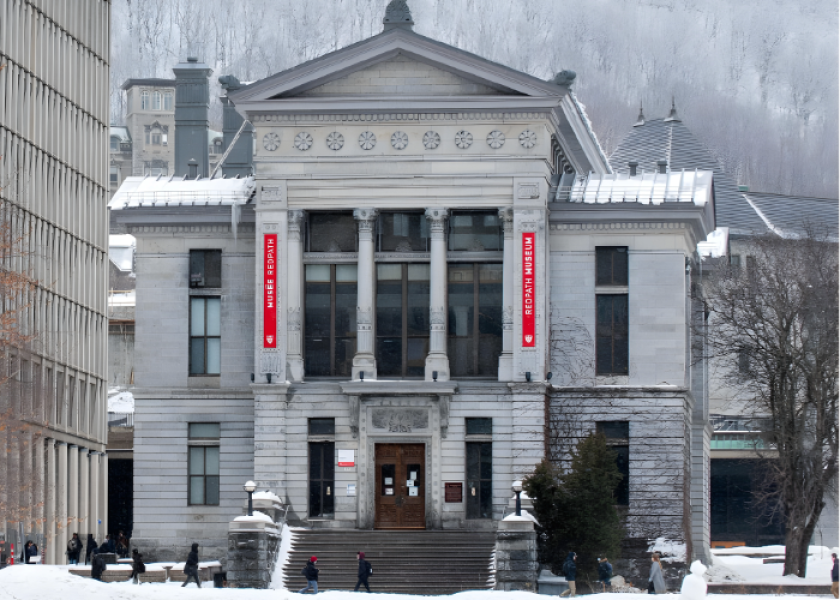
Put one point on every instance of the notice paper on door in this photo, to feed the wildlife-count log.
(346, 458)
(412, 491)
(409, 483)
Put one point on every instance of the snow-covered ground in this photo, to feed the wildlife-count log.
(734, 565)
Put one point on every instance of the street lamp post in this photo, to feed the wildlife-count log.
(517, 489)
(249, 487)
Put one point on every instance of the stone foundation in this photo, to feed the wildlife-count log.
(516, 556)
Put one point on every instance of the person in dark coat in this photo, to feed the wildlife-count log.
(98, 566)
(835, 577)
(191, 568)
(74, 549)
(365, 571)
(310, 571)
(90, 547)
(108, 546)
(137, 566)
(122, 545)
(30, 551)
(605, 573)
(570, 571)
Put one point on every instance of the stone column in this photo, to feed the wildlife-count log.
(50, 491)
(93, 490)
(72, 490)
(84, 495)
(365, 359)
(437, 360)
(39, 494)
(294, 296)
(516, 556)
(61, 505)
(506, 359)
(103, 492)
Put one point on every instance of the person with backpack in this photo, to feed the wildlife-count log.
(90, 548)
(74, 548)
(311, 574)
(605, 573)
(570, 571)
(30, 552)
(191, 566)
(138, 567)
(365, 571)
(98, 565)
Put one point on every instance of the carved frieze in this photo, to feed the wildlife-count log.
(437, 219)
(270, 361)
(400, 420)
(495, 139)
(431, 140)
(366, 218)
(367, 140)
(335, 141)
(271, 141)
(399, 140)
(528, 139)
(463, 139)
(303, 141)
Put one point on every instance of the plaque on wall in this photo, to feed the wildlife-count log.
(453, 491)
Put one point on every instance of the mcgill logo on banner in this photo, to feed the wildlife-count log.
(529, 334)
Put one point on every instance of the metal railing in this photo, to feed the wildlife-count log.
(120, 419)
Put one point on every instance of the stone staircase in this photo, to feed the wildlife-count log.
(409, 562)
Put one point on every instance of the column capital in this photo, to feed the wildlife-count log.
(295, 218)
(437, 216)
(506, 217)
(366, 217)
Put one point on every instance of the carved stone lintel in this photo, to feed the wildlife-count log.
(400, 420)
(366, 218)
(270, 361)
(293, 318)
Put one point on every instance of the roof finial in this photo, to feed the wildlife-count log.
(397, 16)
(672, 116)
(640, 120)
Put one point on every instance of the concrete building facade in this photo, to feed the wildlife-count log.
(432, 281)
(53, 207)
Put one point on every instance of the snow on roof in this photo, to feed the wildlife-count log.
(258, 517)
(120, 401)
(266, 496)
(647, 188)
(716, 244)
(121, 250)
(119, 131)
(212, 135)
(150, 191)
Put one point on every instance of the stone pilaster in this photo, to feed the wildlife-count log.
(61, 505)
(294, 296)
(270, 448)
(39, 491)
(72, 490)
(103, 493)
(95, 515)
(365, 359)
(437, 360)
(271, 219)
(50, 490)
(84, 494)
(506, 359)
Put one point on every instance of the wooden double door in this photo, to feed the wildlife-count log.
(400, 486)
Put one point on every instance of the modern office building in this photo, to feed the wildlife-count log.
(54, 74)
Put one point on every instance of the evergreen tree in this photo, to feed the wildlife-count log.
(576, 509)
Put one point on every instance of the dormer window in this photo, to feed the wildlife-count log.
(157, 134)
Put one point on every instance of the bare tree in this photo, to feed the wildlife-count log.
(774, 324)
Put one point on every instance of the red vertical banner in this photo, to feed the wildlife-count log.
(270, 291)
(529, 329)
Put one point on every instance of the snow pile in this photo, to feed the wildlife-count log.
(668, 550)
(620, 586)
(694, 586)
(120, 401)
(257, 517)
(266, 496)
(731, 567)
(282, 559)
(526, 516)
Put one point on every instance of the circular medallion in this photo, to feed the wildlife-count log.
(367, 140)
(463, 139)
(431, 140)
(399, 140)
(496, 139)
(528, 139)
(335, 141)
(303, 141)
(271, 141)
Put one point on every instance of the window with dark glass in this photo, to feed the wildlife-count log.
(321, 479)
(332, 232)
(475, 231)
(611, 265)
(611, 343)
(329, 326)
(318, 427)
(205, 335)
(403, 232)
(479, 480)
(204, 463)
(205, 268)
(479, 426)
(618, 439)
(115, 143)
(402, 319)
(475, 319)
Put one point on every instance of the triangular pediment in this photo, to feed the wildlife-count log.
(398, 62)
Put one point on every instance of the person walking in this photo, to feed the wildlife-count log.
(310, 571)
(570, 571)
(30, 552)
(835, 576)
(90, 547)
(365, 571)
(656, 582)
(74, 549)
(605, 573)
(191, 568)
(138, 567)
(98, 565)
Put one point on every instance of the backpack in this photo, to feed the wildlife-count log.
(369, 568)
(141, 568)
(303, 572)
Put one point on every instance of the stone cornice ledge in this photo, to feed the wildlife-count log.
(399, 388)
(523, 387)
(621, 389)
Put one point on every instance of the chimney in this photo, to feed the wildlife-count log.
(632, 164)
(192, 169)
(192, 121)
(397, 16)
(240, 161)
(663, 166)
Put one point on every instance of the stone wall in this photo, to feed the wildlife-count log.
(516, 556)
(251, 554)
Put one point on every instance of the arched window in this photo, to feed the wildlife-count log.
(156, 101)
(144, 100)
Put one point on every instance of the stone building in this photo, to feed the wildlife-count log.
(433, 279)
(53, 195)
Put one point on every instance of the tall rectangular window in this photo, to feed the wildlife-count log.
(330, 319)
(479, 480)
(611, 265)
(144, 100)
(204, 463)
(475, 231)
(115, 175)
(205, 268)
(402, 319)
(321, 480)
(205, 335)
(618, 439)
(156, 101)
(475, 319)
(611, 343)
(167, 101)
(403, 232)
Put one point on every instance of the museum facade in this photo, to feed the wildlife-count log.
(432, 281)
